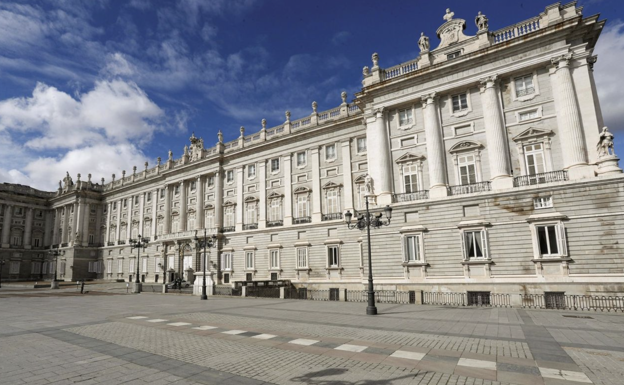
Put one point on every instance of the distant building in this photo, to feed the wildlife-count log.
(489, 149)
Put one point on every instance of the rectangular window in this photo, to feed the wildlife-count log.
(120, 265)
(229, 216)
(467, 169)
(249, 260)
(524, 85)
(14, 267)
(125, 203)
(528, 115)
(252, 216)
(551, 240)
(131, 263)
(91, 239)
(453, 55)
(226, 278)
(251, 171)
(114, 205)
(361, 145)
(302, 257)
(361, 191)
(405, 117)
(136, 200)
(229, 176)
(275, 211)
(16, 240)
(301, 159)
(460, 102)
(330, 152)
(302, 206)
(36, 242)
(333, 255)
(275, 165)
(542, 202)
(149, 196)
(249, 277)
(534, 156)
(410, 178)
(191, 223)
(162, 193)
(193, 185)
(209, 219)
(35, 267)
(474, 244)
(109, 266)
(226, 261)
(274, 259)
(176, 189)
(412, 248)
(332, 202)
(19, 211)
(170, 262)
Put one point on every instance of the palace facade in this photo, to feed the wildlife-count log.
(489, 149)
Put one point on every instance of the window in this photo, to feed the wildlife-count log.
(149, 196)
(301, 159)
(534, 156)
(412, 250)
(37, 242)
(209, 219)
(460, 102)
(114, 205)
(120, 265)
(174, 226)
(453, 55)
(302, 206)
(332, 202)
(226, 278)
(19, 211)
(131, 264)
(171, 262)
(330, 152)
(405, 117)
(524, 85)
(162, 193)
(275, 210)
(14, 267)
(193, 185)
(528, 115)
(39, 214)
(302, 257)
(551, 240)
(249, 260)
(474, 244)
(467, 169)
(333, 255)
(229, 216)
(211, 181)
(136, 200)
(361, 145)
(125, 203)
(251, 213)
(251, 171)
(229, 176)
(361, 194)
(274, 259)
(35, 267)
(542, 202)
(275, 165)
(16, 240)
(191, 222)
(226, 261)
(91, 239)
(410, 178)
(109, 266)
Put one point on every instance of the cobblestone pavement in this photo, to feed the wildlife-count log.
(57, 337)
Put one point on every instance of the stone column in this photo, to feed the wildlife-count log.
(347, 175)
(316, 208)
(183, 209)
(288, 196)
(240, 208)
(379, 158)
(28, 229)
(262, 217)
(6, 226)
(65, 234)
(155, 199)
(86, 217)
(199, 206)
(57, 224)
(48, 231)
(167, 222)
(435, 147)
(500, 168)
(129, 221)
(218, 208)
(141, 211)
(569, 120)
(75, 223)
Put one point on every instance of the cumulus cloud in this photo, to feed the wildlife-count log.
(610, 51)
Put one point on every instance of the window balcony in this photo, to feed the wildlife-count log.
(250, 226)
(525, 92)
(110, 243)
(121, 242)
(413, 196)
(228, 229)
(332, 216)
(275, 223)
(64, 244)
(470, 188)
(300, 220)
(542, 178)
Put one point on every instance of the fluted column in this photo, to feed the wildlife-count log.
(240, 208)
(65, 234)
(288, 197)
(379, 158)
(568, 119)
(129, 221)
(141, 213)
(316, 186)
(435, 147)
(167, 221)
(199, 204)
(500, 168)
(109, 209)
(6, 226)
(347, 176)
(183, 209)
(47, 232)
(262, 217)
(218, 210)
(57, 224)
(118, 228)
(75, 225)
(84, 228)
(155, 198)
(28, 229)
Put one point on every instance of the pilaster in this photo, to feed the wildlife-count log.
(155, 199)
(6, 226)
(288, 207)
(141, 213)
(57, 224)
(435, 147)
(118, 228)
(28, 228)
(347, 176)
(379, 158)
(240, 208)
(183, 209)
(218, 210)
(199, 204)
(316, 186)
(263, 194)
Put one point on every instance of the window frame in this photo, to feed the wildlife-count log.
(485, 249)
(531, 96)
(250, 175)
(305, 159)
(250, 255)
(274, 256)
(461, 108)
(555, 221)
(305, 257)
(229, 173)
(357, 146)
(543, 202)
(420, 249)
(327, 153)
(336, 256)
(227, 261)
(273, 162)
(410, 120)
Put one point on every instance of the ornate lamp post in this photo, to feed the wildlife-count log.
(140, 243)
(367, 221)
(205, 243)
(2, 262)
(55, 253)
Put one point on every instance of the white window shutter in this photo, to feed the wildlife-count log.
(404, 248)
(484, 240)
(563, 244)
(463, 244)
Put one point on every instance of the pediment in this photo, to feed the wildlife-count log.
(251, 199)
(331, 185)
(452, 32)
(274, 195)
(229, 203)
(360, 179)
(209, 206)
(465, 145)
(301, 189)
(191, 211)
(409, 157)
(532, 132)
(146, 218)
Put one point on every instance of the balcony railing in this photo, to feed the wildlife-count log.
(525, 92)
(470, 188)
(228, 229)
(413, 196)
(275, 223)
(542, 178)
(299, 220)
(250, 226)
(110, 243)
(332, 216)
(64, 244)
(121, 242)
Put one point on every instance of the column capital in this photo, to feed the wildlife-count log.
(429, 98)
(378, 112)
(561, 61)
(488, 82)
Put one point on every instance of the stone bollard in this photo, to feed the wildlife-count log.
(342, 296)
(164, 288)
(244, 291)
(282, 296)
(54, 285)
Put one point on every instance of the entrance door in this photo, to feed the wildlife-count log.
(143, 278)
(188, 260)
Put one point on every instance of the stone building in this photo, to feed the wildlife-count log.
(489, 149)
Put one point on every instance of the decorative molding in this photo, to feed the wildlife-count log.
(329, 185)
(409, 157)
(465, 145)
(531, 133)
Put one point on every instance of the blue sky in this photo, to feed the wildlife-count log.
(100, 86)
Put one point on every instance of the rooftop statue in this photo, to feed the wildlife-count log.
(449, 15)
(481, 21)
(423, 42)
(605, 144)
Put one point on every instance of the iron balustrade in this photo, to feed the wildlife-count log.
(299, 220)
(409, 197)
(541, 178)
(110, 243)
(121, 242)
(572, 302)
(332, 216)
(382, 296)
(467, 299)
(250, 226)
(525, 92)
(263, 292)
(470, 188)
(228, 229)
(275, 223)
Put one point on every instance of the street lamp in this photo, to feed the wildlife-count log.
(209, 243)
(2, 262)
(367, 221)
(138, 244)
(55, 253)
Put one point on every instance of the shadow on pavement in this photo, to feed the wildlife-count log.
(314, 378)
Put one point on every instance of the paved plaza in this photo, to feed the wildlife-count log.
(109, 337)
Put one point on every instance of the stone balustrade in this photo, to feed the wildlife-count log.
(516, 30)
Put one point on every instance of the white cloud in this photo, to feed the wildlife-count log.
(610, 51)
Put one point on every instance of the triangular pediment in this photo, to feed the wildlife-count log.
(409, 157)
(465, 145)
(331, 185)
(532, 132)
(274, 195)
